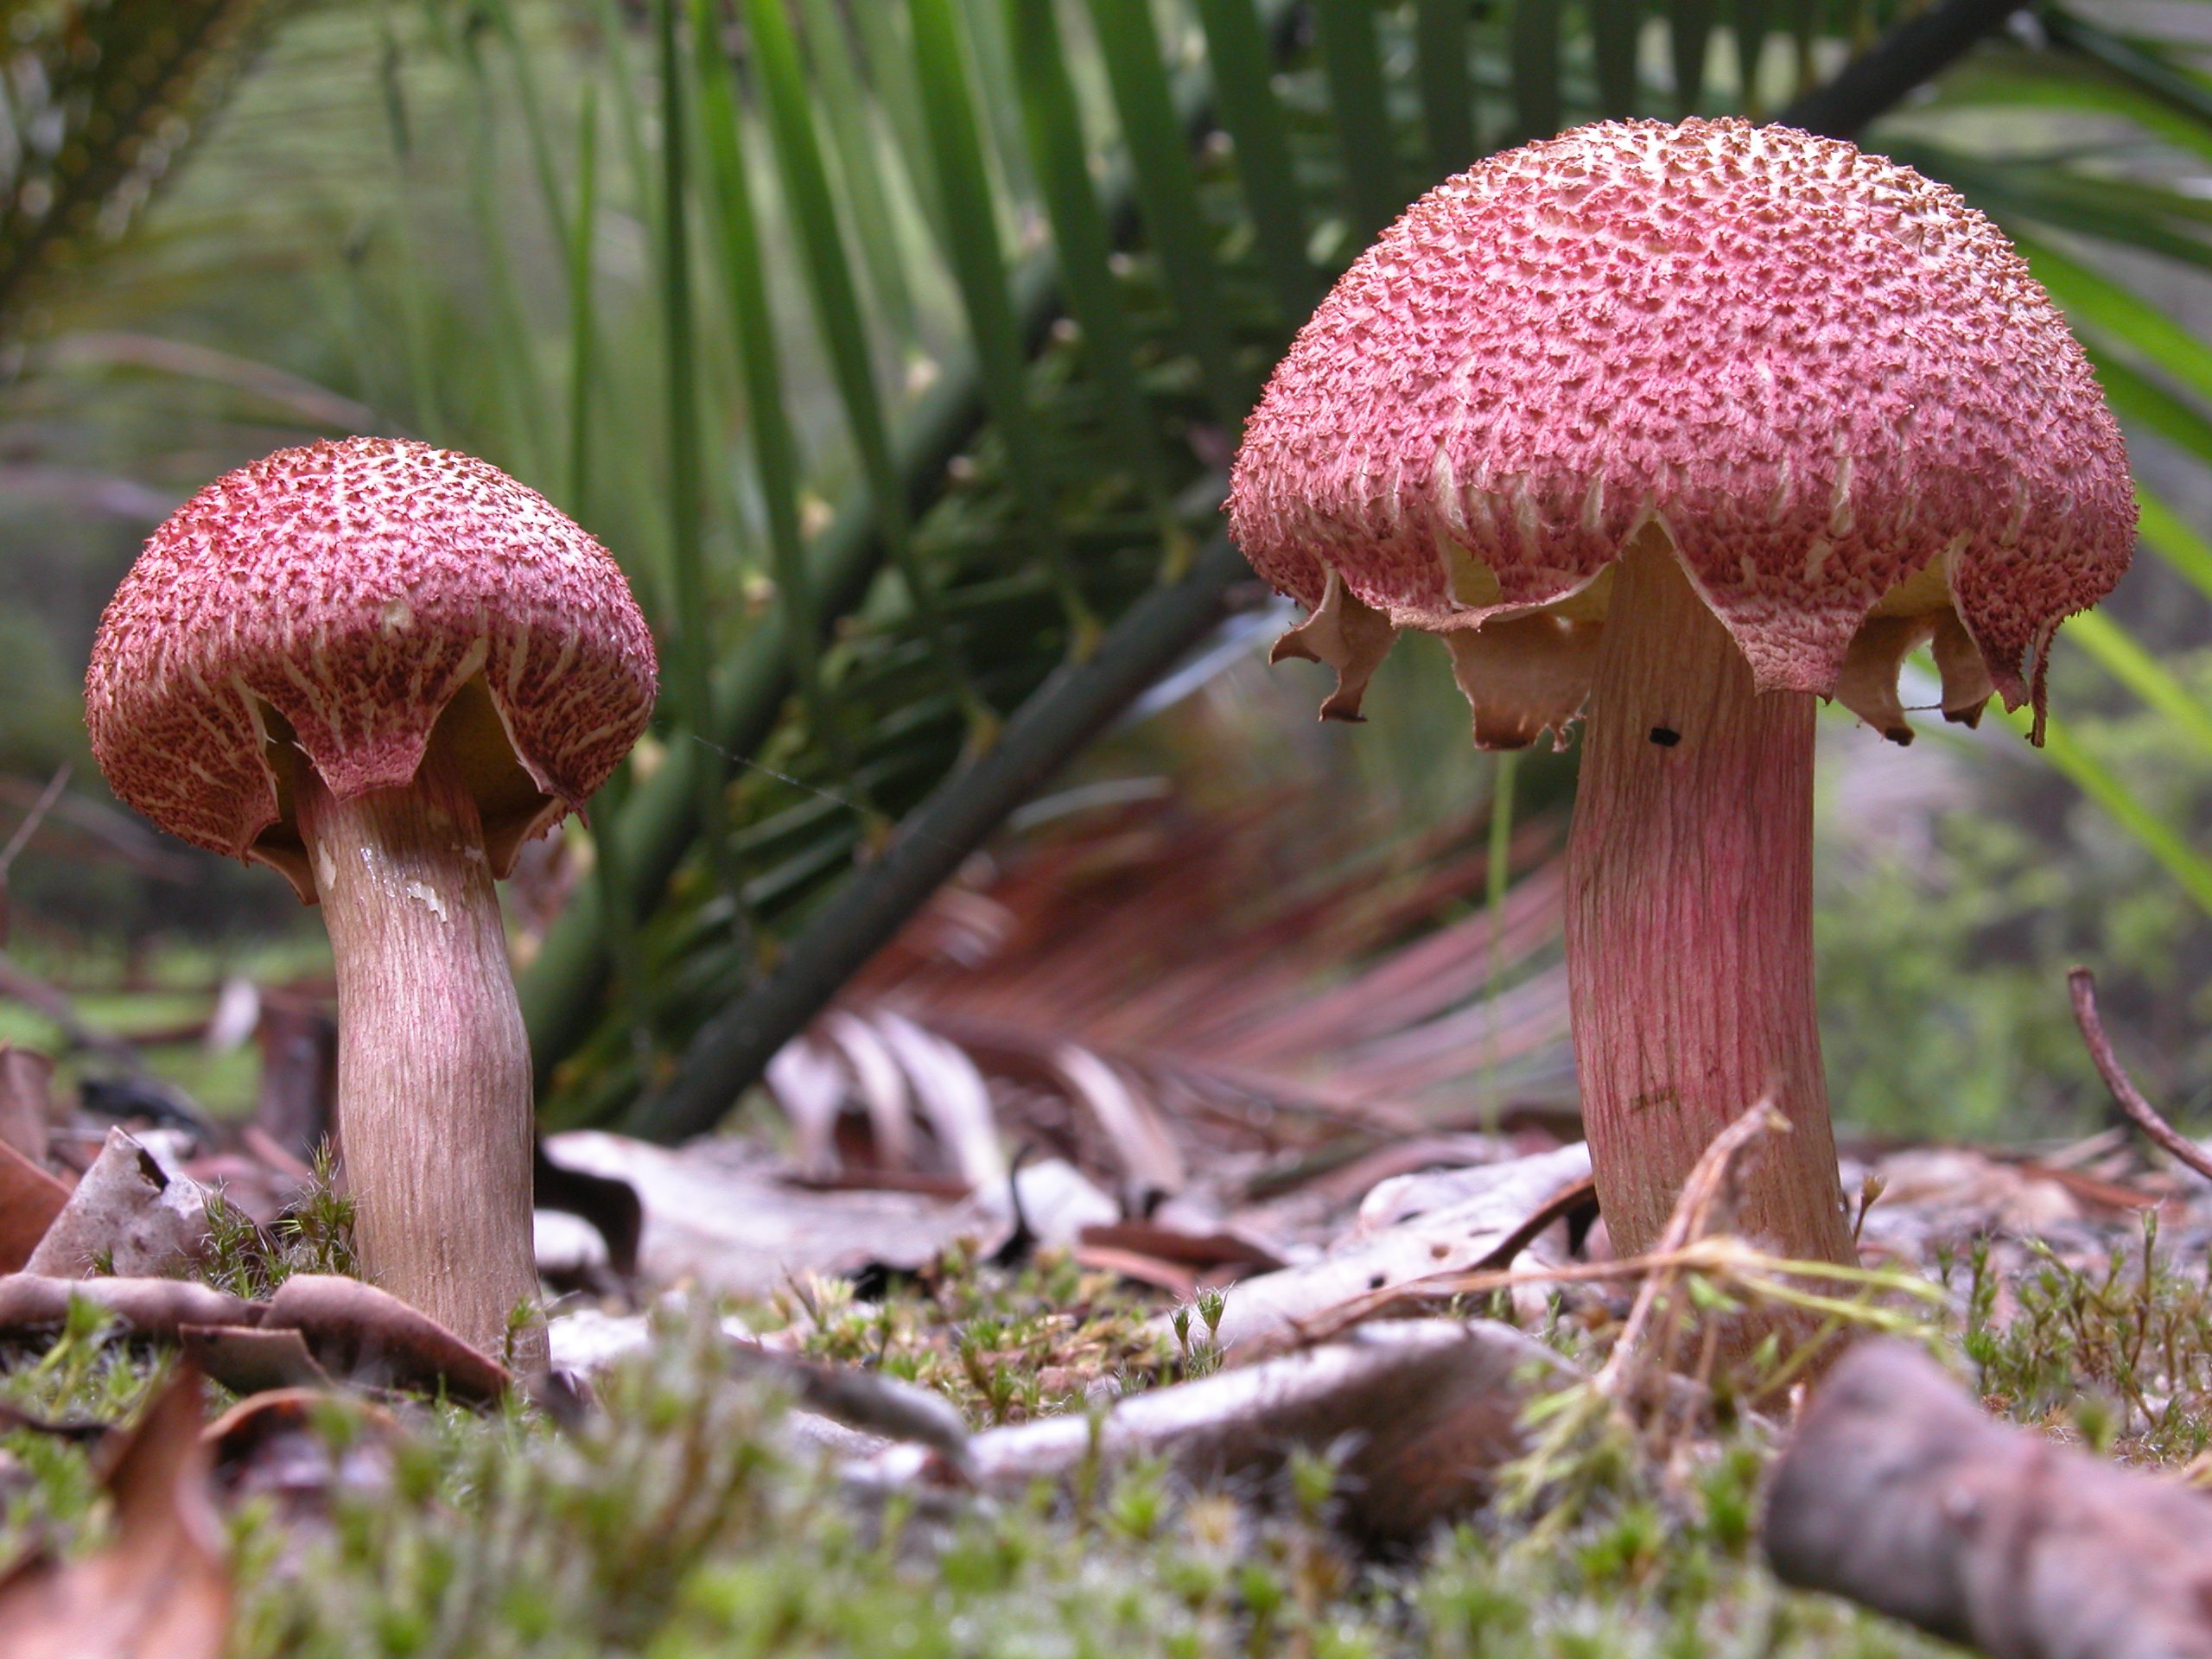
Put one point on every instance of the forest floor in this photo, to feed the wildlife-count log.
(687, 1504)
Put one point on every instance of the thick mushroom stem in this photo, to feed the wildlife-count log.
(434, 1077)
(1689, 920)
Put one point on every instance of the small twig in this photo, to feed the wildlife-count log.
(24, 831)
(2130, 1099)
(33, 819)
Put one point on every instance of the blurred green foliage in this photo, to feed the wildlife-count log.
(454, 218)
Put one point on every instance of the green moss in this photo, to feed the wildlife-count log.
(678, 1524)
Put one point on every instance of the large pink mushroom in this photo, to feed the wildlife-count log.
(1691, 425)
(380, 667)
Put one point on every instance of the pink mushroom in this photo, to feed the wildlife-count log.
(381, 667)
(1691, 425)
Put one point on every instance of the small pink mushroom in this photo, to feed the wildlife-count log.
(381, 667)
(1690, 424)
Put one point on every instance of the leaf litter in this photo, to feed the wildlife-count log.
(1199, 1266)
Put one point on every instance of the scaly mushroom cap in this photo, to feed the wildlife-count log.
(362, 590)
(1831, 385)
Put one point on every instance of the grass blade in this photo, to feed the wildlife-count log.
(1615, 31)
(1689, 36)
(891, 75)
(2137, 399)
(687, 554)
(2096, 302)
(775, 455)
(533, 119)
(1243, 70)
(1344, 31)
(583, 348)
(859, 167)
(1062, 164)
(1752, 21)
(2133, 65)
(1533, 49)
(2152, 833)
(607, 874)
(843, 327)
(2165, 532)
(980, 268)
(526, 436)
(2123, 656)
(1167, 191)
(1448, 91)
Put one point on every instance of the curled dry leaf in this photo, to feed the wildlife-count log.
(148, 1308)
(370, 1337)
(1454, 1239)
(29, 1200)
(1117, 995)
(351, 1331)
(26, 1100)
(160, 1588)
(128, 1216)
(249, 1361)
(722, 1214)
(275, 1446)
(867, 1401)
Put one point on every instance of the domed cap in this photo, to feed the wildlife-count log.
(1831, 385)
(362, 590)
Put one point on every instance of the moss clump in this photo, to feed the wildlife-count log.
(680, 1521)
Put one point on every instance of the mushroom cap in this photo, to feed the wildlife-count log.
(361, 591)
(1830, 384)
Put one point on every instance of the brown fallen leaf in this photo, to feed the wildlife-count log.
(150, 1307)
(276, 1445)
(161, 1587)
(368, 1336)
(29, 1200)
(351, 1331)
(248, 1360)
(127, 1216)
(1177, 1280)
(1202, 1251)
(26, 1100)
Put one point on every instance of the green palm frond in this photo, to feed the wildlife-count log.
(898, 348)
(97, 98)
(1234, 154)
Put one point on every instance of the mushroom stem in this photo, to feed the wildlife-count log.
(434, 1076)
(1689, 920)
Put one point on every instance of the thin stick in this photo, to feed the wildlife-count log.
(2145, 1115)
(33, 819)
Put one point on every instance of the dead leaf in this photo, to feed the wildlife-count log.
(369, 1337)
(29, 1200)
(881, 1084)
(151, 1307)
(1450, 1239)
(248, 1360)
(811, 1089)
(954, 1098)
(161, 1587)
(608, 1204)
(128, 1216)
(272, 1445)
(26, 1100)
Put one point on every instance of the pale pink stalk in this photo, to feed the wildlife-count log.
(1689, 424)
